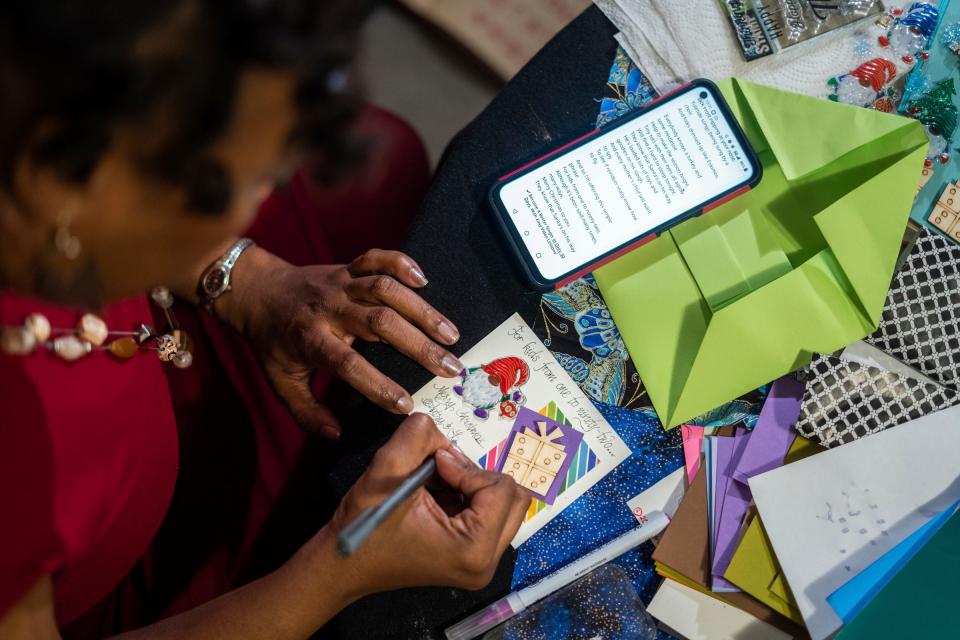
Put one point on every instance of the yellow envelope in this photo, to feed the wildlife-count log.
(754, 568)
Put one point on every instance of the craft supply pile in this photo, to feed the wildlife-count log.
(780, 377)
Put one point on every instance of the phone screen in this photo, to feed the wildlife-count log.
(626, 181)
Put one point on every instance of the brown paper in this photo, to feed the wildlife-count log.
(684, 548)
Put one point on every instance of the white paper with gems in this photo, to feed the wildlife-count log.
(510, 368)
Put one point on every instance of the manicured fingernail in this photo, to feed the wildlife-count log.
(451, 365)
(418, 276)
(330, 432)
(448, 332)
(404, 404)
(446, 454)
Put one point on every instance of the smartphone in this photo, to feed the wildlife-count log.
(613, 189)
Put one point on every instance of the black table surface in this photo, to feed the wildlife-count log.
(472, 281)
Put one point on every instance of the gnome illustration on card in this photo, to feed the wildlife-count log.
(495, 385)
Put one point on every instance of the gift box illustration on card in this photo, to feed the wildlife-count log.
(538, 453)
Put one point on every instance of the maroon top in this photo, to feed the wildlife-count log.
(88, 462)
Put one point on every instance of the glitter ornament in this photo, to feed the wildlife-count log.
(950, 37)
(935, 109)
(862, 85)
(911, 32)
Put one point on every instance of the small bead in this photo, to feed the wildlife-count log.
(182, 359)
(145, 332)
(184, 342)
(162, 297)
(71, 347)
(17, 341)
(125, 347)
(92, 329)
(38, 324)
(166, 347)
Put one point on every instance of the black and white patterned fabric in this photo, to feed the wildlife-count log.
(921, 318)
(845, 400)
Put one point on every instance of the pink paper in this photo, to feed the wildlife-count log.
(692, 444)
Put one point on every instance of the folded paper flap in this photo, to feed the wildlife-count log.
(866, 247)
(805, 311)
(731, 252)
(807, 133)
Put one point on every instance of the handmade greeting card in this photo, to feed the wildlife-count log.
(514, 409)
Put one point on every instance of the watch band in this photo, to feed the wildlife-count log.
(215, 281)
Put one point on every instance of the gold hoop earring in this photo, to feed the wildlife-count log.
(67, 244)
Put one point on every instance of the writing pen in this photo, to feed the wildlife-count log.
(355, 533)
(517, 601)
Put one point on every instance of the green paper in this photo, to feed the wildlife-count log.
(726, 302)
(754, 568)
(921, 600)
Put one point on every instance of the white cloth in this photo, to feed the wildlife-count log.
(674, 41)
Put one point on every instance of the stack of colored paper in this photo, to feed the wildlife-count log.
(772, 541)
(704, 537)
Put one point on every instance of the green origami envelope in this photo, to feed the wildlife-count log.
(731, 300)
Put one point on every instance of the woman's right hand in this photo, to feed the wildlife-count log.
(452, 534)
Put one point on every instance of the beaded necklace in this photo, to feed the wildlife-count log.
(92, 334)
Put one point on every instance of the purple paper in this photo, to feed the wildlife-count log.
(730, 512)
(543, 432)
(724, 447)
(764, 449)
(774, 432)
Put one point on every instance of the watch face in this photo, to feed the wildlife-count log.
(215, 282)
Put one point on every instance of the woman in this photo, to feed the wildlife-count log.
(136, 141)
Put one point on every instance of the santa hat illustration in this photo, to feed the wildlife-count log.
(511, 372)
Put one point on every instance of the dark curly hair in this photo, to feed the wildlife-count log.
(83, 68)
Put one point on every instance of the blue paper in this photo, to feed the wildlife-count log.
(851, 598)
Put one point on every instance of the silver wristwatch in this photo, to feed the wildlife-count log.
(215, 281)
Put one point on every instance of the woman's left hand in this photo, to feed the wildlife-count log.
(302, 318)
